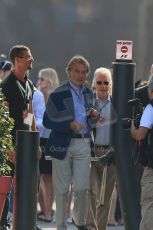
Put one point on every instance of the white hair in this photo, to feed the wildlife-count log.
(103, 71)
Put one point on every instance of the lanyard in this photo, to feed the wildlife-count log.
(24, 91)
(103, 106)
(79, 95)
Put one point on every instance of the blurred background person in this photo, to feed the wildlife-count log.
(5, 69)
(48, 81)
(141, 91)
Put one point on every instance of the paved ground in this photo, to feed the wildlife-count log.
(52, 226)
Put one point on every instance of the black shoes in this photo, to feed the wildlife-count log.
(5, 226)
(82, 228)
(38, 228)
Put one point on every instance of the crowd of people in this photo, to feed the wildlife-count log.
(73, 120)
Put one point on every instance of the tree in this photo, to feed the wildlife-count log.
(6, 145)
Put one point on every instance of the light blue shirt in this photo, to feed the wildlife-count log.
(103, 129)
(79, 107)
(147, 117)
(39, 109)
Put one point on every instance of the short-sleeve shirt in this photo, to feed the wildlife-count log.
(17, 94)
(147, 117)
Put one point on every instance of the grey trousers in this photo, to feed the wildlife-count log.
(147, 200)
(74, 168)
(98, 216)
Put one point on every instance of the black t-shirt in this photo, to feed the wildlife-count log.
(142, 94)
(17, 94)
(146, 148)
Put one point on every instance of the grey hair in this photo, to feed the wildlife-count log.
(77, 59)
(103, 71)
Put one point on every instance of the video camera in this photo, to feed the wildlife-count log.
(137, 113)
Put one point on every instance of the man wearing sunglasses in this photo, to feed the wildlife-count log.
(102, 83)
(18, 91)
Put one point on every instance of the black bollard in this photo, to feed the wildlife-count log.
(27, 146)
(121, 141)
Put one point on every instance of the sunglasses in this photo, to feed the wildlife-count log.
(102, 82)
(41, 79)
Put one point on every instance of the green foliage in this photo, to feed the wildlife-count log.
(6, 125)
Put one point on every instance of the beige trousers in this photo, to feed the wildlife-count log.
(98, 216)
(147, 200)
(74, 168)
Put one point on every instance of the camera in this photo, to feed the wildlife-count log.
(92, 113)
(138, 110)
(93, 116)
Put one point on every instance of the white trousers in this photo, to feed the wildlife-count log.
(74, 168)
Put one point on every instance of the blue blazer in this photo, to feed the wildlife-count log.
(58, 116)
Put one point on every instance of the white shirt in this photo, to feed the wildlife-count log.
(39, 109)
(147, 117)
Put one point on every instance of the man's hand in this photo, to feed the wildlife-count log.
(76, 126)
(140, 133)
(94, 113)
(101, 119)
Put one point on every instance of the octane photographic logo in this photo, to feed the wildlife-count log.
(58, 149)
(54, 149)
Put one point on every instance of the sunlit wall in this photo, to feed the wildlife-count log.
(55, 30)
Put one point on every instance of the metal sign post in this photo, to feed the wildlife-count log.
(26, 180)
(123, 91)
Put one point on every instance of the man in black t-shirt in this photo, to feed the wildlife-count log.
(18, 91)
(144, 135)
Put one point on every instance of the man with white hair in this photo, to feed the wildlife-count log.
(98, 215)
(144, 135)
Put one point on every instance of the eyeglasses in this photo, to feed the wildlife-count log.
(102, 82)
(27, 57)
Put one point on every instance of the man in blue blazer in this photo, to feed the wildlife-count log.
(67, 114)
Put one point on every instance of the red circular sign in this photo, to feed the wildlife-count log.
(124, 49)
